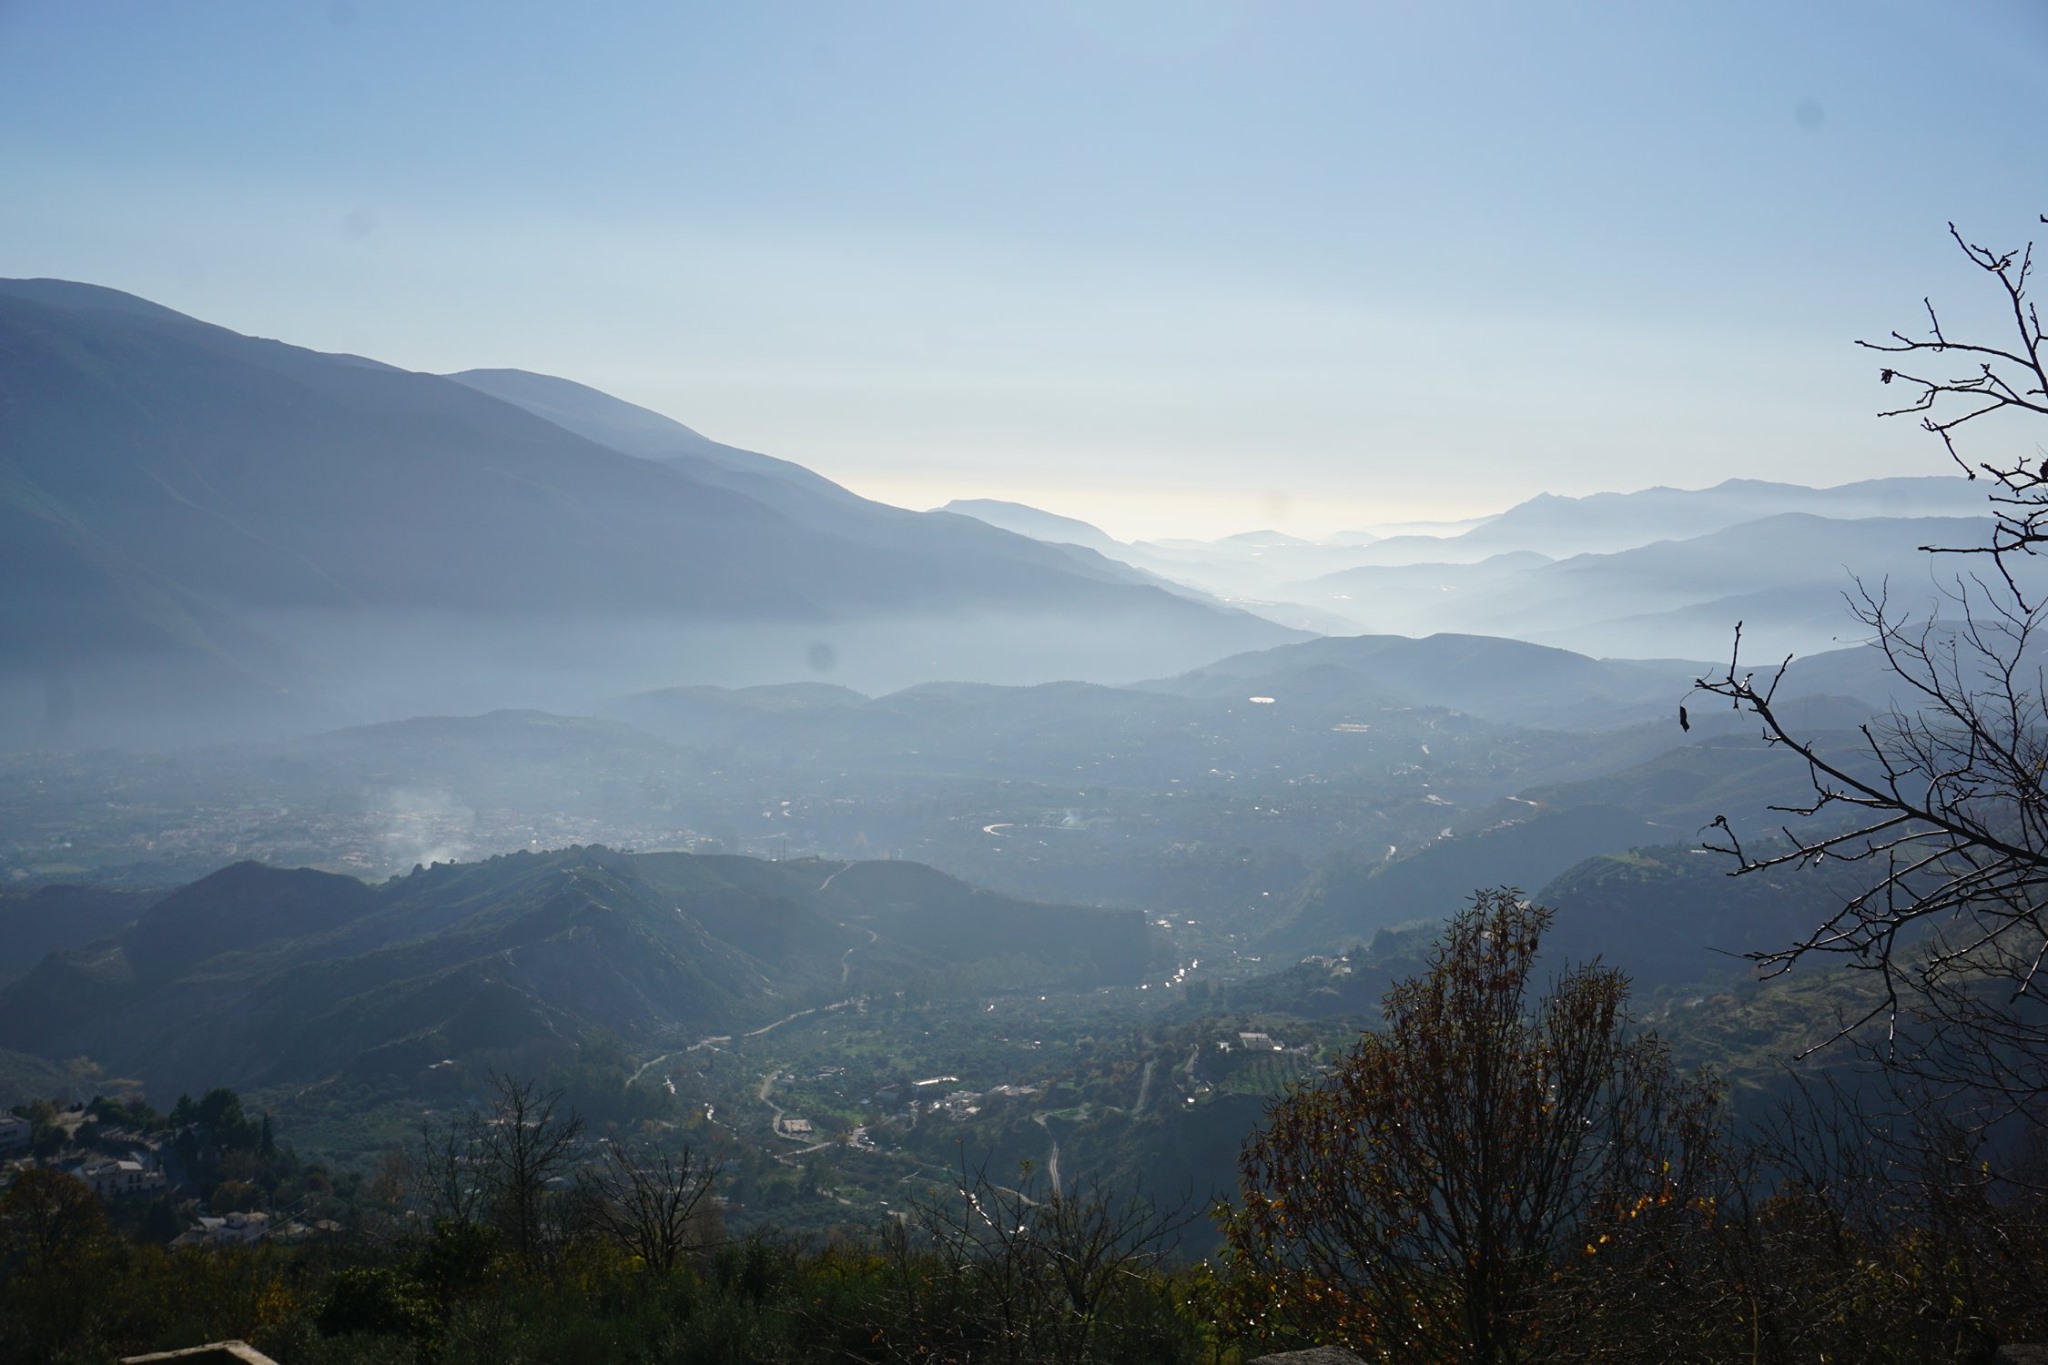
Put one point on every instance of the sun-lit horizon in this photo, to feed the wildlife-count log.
(1133, 515)
(1428, 260)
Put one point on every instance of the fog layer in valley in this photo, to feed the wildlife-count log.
(364, 732)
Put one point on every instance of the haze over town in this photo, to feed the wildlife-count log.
(1084, 681)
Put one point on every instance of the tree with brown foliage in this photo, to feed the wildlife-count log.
(49, 1219)
(1421, 1201)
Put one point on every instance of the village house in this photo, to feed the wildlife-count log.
(14, 1134)
(236, 1229)
(111, 1179)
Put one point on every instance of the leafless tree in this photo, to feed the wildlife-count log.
(1941, 801)
(1016, 1273)
(523, 1143)
(2002, 379)
(442, 1172)
(495, 1165)
(652, 1203)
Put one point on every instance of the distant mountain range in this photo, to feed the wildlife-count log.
(1785, 576)
(205, 525)
(1505, 681)
(1601, 523)
(258, 975)
(1659, 572)
(238, 535)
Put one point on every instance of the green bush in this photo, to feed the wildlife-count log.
(377, 1299)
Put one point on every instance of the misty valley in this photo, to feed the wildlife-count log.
(394, 762)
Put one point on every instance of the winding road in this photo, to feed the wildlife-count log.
(718, 1038)
(800, 1014)
(1052, 1162)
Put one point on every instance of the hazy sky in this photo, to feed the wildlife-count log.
(1176, 267)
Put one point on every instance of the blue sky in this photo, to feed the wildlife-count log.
(1178, 267)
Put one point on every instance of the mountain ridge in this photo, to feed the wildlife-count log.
(653, 948)
(187, 510)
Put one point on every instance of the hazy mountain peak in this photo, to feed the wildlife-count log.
(1025, 520)
(205, 527)
(1761, 486)
(74, 295)
(648, 435)
(564, 402)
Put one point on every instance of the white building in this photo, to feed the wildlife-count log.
(119, 1179)
(237, 1229)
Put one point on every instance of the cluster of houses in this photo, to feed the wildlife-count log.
(139, 1173)
(240, 1229)
(110, 1177)
(929, 1098)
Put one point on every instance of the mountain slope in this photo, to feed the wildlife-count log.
(807, 499)
(1039, 525)
(57, 918)
(257, 975)
(1672, 914)
(1497, 679)
(1351, 898)
(328, 527)
(632, 430)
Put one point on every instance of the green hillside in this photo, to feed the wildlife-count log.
(258, 975)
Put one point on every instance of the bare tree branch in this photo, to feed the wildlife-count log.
(1941, 802)
(652, 1203)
